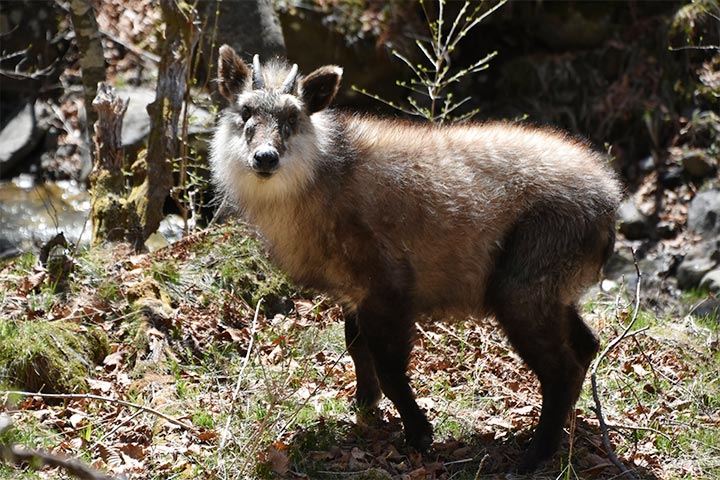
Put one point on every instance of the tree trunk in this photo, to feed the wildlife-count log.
(92, 59)
(181, 34)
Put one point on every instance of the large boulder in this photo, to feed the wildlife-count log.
(136, 123)
(704, 213)
(632, 223)
(700, 260)
(18, 137)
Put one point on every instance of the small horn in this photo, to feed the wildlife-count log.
(258, 81)
(289, 83)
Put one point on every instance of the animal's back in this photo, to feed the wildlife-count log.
(446, 198)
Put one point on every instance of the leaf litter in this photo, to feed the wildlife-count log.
(293, 417)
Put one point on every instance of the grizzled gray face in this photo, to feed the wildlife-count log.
(268, 123)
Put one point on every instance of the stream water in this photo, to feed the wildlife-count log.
(31, 213)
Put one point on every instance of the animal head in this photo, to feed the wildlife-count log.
(267, 140)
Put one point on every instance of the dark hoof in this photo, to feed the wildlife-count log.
(367, 399)
(420, 437)
(532, 459)
(367, 416)
(527, 465)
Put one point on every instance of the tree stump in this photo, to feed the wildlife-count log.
(113, 218)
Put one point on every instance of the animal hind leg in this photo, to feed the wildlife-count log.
(583, 340)
(540, 337)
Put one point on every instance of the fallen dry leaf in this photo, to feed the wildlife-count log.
(277, 460)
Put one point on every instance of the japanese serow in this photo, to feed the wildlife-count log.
(399, 220)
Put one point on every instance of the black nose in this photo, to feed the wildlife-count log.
(265, 160)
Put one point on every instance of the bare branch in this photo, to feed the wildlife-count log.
(129, 46)
(593, 377)
(18, 455)
(236, 392)
(386, 102)
(694, 47)
(90, 396)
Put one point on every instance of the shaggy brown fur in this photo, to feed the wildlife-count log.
(398, 220)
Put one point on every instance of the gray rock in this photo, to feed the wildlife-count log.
(258, 22)
(633, 224)
(698, 164)
(709, 249)
(698, 262)
(619, 264)
(136, 123)
(709, 308)
(711, 281)
(690, 272)
(18, 138)
(704, 213)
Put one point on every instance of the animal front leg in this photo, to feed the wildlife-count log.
(387, 327)
(367, 394)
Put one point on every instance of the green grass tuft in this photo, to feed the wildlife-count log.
(53, 357)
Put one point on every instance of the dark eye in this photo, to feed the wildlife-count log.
(246, 113)
(288, 127)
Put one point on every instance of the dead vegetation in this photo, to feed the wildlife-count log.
(267, 393)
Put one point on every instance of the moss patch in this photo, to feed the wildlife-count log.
(243, 267)
(53, 357)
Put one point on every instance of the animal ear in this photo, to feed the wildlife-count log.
(232, 73)
(318, 89)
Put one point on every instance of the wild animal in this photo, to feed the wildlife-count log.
(399, 220)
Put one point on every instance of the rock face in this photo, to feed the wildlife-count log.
(711, 281)
(632, 223)
(704, 213)
(18, 137)
(136, 123)
(691, 271)
(250, 28)
(701, 260)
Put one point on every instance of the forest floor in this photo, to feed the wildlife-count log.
(219, 384)
(200, 360)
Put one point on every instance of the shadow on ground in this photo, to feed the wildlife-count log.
(331, 449)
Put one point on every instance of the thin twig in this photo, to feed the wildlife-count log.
(694, 47)
(133, 48)
(639, 428)
(17, 455)
(114, 429)
(593, 377)
(290, 421)
(236, 392)
(90, 396)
